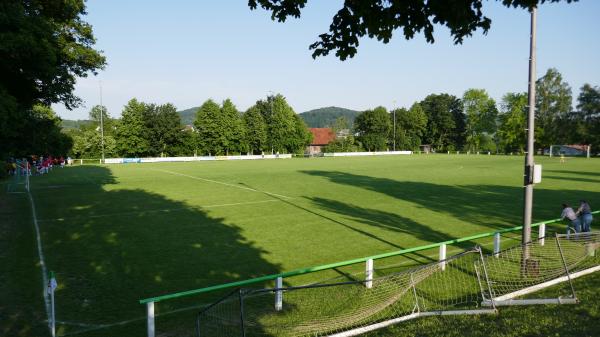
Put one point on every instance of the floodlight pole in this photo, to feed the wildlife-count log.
(272, 98)
(528, 174)
(394, 107)
(101, 122)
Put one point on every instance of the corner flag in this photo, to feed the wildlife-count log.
(52, 285)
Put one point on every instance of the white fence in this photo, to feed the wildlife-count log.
(198, 158)
(358, 154)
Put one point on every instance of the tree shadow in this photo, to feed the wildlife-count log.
(388, 221)
(492, 206)
(583, 180)
(106, 261)
(583, 173)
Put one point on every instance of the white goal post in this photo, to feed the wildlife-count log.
(575, 150)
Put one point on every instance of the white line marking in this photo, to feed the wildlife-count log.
(158, 210)
(41, 256)
(222, 183)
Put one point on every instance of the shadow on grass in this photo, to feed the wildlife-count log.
(105, 264)
(493, 206)
(580, 179)
(583, 173)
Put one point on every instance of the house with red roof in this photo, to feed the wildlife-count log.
(321, 137)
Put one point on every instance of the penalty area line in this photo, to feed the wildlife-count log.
(222, 183)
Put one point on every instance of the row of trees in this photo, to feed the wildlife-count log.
(149, 130)
(476, 123)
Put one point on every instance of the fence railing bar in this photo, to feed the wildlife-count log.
(309, 270)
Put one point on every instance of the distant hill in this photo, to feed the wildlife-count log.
(188, 115)
(325, 117)
(69, 124)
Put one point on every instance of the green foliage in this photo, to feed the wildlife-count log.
(232, 128)
(481, 115)
(207, 124)
(445, 122)
(45, 47)
(587, 117)
(410, 127)
(255, 130)
(131, 132)
(513, 122)
(301, 137)
(373, 127)
(326, 117)
(87, 139)
(380, 19)
(553, 106)
(163, 126)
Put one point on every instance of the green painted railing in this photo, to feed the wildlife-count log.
(309, 270)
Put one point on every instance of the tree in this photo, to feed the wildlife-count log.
(380, 18)
(301, 138)
(481, 115)
(45, 136)
(513, 122)
(208, 125)
(45, 47)
(279, 118)
(553, 106)
(231, 124)
(445, 122)
(588, 116)
(410, 127)
(131, 133)
(255, 136)
(373, 127)
(163, 125)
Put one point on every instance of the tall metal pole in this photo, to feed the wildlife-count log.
(101, 122)
(272, 98)
(528, 174)
(394, 107)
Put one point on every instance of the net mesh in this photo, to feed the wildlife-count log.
(346, 302)
(460, 284)
(549, 259)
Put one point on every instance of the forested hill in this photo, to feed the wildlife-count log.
(188, 115)
(324, 117)
(74, 124)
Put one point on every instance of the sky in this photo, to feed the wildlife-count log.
(187, 51)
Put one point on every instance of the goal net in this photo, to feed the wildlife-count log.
(569, 150)
(350, 305)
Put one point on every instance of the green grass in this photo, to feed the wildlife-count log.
(117, 234)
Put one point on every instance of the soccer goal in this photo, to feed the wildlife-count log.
(470, 283)
(575, 150)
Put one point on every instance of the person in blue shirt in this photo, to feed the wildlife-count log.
(585, 212)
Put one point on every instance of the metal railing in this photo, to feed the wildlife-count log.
(368, 260)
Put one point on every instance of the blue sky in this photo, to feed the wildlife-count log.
(186, 51)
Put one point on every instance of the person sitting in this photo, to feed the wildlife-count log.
(569, 213)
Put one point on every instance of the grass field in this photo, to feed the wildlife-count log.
(117, 234)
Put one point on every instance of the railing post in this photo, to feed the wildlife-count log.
(443, 256)
(496, 244)
(542, 234)
(279, 294)
(150, 310)
(369, 274)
